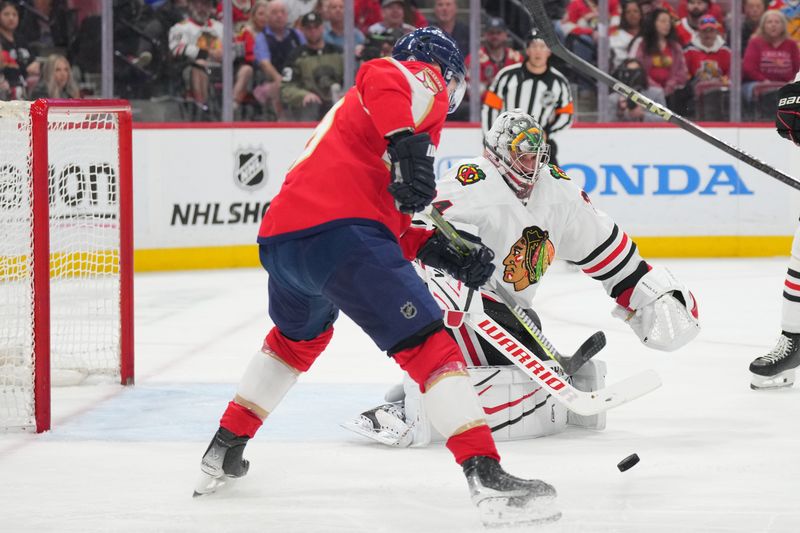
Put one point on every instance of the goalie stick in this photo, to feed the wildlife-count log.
(542, 23)
(582, 403)
(570, 365)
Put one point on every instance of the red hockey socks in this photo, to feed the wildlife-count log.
(475, 441)
(240, 420)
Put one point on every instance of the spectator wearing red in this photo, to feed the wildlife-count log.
(630, 25)
(370, 12)
(708, 58)
(495, 54)
(770, 55)
(661, 54)
(687, 27)
(580, 26)
(240, 10)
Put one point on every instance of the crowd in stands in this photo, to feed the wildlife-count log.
(289, 62)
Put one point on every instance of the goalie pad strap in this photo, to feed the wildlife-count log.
(266, 380)
(451, 402)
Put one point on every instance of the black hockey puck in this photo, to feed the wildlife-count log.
(628, 462)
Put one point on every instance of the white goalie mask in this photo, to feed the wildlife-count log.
(517, 146)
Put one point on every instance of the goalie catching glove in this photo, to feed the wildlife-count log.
(787, 120)
(473, 269)
(662, 312)
(413, 180)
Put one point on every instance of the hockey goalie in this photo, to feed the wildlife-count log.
(530, 212)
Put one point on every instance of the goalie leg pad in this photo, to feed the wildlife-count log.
(267, 380)
(514, 406)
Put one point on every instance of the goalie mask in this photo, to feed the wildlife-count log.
(516, 145)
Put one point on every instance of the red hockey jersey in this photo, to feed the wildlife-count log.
(343, 174)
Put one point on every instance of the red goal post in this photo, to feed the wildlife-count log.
(66, 251)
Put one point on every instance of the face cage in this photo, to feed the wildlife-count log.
(522, 187)
(456, 87)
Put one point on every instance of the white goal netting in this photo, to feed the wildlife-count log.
(84, 252)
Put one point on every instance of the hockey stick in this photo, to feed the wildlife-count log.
(586, 351)
(582, 403)
(456, 303)
(542, 23)
(577, 401)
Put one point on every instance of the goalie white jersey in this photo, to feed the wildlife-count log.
(558, 221)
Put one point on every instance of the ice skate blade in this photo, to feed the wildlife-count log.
(208, 484)
(384, 437)
(499, 512)
(779, 381)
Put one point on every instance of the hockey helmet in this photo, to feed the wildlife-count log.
(432, 45)
(517, 145)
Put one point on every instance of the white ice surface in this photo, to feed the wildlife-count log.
(715, 456)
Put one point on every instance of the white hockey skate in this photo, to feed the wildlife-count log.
(504, 500)
(221, 463)
(776, 369)
(385, 424)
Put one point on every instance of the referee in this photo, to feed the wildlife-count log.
(535, 88)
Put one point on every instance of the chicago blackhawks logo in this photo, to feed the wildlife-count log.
(557, 173)
(469, 174)
(528, 258)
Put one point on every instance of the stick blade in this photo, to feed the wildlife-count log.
(617, 394)
(587, 350)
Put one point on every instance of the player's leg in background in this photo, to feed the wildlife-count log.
(303, 328)
(776, 369)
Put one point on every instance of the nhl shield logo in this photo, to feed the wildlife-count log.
(408, 310)
(250, 172)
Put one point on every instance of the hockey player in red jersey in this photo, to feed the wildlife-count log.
(337, 237)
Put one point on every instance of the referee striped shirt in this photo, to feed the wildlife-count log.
(546, 97)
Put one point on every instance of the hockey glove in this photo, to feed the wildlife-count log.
(787, 121)
(413, 181)
(474, 268)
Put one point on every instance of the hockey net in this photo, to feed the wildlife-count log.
(65, 251)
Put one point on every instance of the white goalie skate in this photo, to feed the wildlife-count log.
(505, 500)
(776, 369)
(385, 424)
